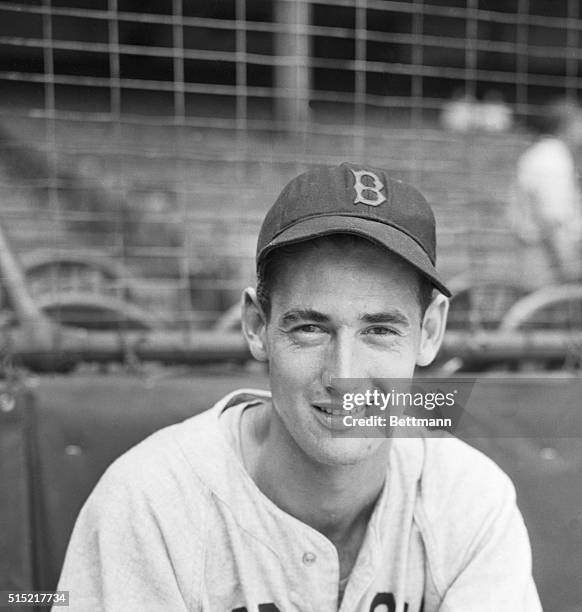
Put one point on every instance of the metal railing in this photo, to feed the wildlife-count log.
(154, 136)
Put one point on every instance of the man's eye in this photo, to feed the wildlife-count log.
(309, 329)
(381, 330)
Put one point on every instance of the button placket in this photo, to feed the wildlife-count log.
(319, 577)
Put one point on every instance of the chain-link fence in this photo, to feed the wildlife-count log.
(141, 142)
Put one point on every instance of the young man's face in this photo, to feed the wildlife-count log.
(337, 314)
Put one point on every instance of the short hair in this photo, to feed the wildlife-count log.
(266, 271)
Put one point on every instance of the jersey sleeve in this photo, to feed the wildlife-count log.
(134, 547)
(477, 543)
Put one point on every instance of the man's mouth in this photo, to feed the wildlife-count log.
(337, 409)
(334, 409)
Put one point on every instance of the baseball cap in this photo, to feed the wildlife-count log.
(354, 199)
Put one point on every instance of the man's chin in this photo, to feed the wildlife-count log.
(349, 451)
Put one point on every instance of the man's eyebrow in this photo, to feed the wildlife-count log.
(303, 314)
(389, 316)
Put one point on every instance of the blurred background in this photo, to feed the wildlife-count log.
(142, 142)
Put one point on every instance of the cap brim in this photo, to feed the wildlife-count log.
(379, 233)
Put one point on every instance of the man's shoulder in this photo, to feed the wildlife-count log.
(451, 479)
(189, 455)
(460, 491)
(156, 468)
(469, 522)
(453, 469)
(444, 460)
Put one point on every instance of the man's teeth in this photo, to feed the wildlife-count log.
(331, 410)
(334, 410)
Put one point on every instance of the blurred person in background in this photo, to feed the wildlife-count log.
(545, 208)
(464, 113)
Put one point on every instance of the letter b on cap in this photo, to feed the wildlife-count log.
(364, 191)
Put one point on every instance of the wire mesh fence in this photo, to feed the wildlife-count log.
(142, 142)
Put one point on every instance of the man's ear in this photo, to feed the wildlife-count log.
(433, 329)
(254, 324)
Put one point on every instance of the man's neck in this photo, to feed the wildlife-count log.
(336, 500)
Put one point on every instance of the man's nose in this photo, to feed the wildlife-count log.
(343, 367)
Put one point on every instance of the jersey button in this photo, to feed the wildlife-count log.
(309, 558)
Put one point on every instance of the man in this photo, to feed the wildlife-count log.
(261, 503)
(545, 210)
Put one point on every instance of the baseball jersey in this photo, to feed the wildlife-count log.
(178, 524)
